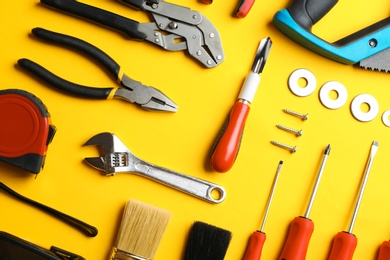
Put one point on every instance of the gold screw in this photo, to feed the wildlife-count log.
(292, 149)
(302, 116)
(296, 132)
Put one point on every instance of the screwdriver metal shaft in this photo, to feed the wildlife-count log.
(344, 243)
(301, 228)
(257, 239)
(271, 195)
(317, 183)
(374, 149)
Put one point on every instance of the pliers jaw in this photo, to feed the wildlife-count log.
(114, 154)
(147, 97)
(184, 29)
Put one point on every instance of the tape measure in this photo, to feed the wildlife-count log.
(25, 130)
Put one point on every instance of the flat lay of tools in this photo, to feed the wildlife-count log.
(118, 118)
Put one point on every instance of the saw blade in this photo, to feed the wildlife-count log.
(378, 62)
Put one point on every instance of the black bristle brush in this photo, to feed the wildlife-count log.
(207, 242)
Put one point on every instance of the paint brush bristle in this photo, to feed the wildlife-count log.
(207, 242)
(140, 232)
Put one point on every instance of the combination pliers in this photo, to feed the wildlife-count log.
(132, 91)
(174, 28)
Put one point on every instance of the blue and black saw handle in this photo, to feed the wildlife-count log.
(296, 22)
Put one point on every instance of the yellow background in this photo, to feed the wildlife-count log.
(181, 141)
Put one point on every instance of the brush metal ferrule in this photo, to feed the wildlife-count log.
(117, 254)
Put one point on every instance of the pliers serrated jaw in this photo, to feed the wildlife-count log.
(147, 97)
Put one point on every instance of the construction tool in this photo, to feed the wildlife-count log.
(369, 48)
(148, 98)
(207, 242)
(26, 130)
(243, 8)
(345, 242)
(301, 228)
(384, 251)
(174, 28)
(83, 227)
(257, 239)
(228, 142)
(118, 158)
(141, 231)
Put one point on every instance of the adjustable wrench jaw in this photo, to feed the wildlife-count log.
(115, 156)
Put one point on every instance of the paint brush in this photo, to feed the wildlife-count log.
(207, 242)
(140, 232)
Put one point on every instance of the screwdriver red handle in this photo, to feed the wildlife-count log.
(384, 251)
(298, 239)
(255, 246)
(226, 149)
(243, 8)
(344, 245)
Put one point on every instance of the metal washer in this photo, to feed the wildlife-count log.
(385, 118)
(342, 95)
(358, 113)
(298, 90)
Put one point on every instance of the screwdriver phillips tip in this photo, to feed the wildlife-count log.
(327, 149)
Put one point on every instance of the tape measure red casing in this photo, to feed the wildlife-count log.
(25, 130)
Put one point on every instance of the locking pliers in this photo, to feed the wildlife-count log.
(174, 28)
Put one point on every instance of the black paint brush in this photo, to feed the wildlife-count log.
(207, 242)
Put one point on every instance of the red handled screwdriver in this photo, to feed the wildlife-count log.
(384, 251)
(301, 228)
(257, 239)
(228, 143)
(243, 8)
(344, 243)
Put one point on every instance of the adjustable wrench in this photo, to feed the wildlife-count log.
(118, 158)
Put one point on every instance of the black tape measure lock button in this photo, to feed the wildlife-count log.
(25, 130)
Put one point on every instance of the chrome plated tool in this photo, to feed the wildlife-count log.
(345, 242)
(302, 227)
(118, 158)
(133, 91)
(228, 142)
(257, 239)
(174, 28)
